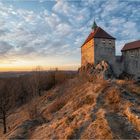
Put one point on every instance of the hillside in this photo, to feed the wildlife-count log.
(107, 109)
(93, 105)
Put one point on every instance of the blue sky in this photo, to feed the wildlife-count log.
(49, 33)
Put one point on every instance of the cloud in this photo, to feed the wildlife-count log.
(62, 6)
(4, 48)
(63, 29)
(52, 20)
(60, 30)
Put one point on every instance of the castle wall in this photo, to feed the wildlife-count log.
(118, 66)
(99, 49)
(131, 60)
(104, 50)
(87, 52)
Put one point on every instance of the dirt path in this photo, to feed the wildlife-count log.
(78, 132)
(99, 103)
(121, 127)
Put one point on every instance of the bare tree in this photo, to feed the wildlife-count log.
(24, 91)
(5, 104)
(53, 74)
(36, 80)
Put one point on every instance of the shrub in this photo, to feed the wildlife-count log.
(87, 100)
(57, 105)
(33, 111)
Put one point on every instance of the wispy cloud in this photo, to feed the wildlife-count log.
(58, 28)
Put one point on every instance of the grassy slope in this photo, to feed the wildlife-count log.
(81, 109)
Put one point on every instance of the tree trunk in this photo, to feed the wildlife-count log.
(39, 92)
(4, 123)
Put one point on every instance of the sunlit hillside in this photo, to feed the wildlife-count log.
(79, 109)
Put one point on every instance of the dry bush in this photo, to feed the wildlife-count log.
(113, 99)
(133, 118)
(83, 77)
(134, 88)
(70, 119)
(72, 133)
(121, 82)
(33, 110)
(51, 96)
(113, 96)
(60, 77)
(87, 100)
(99, 86)
(56, 105)
(129, 85)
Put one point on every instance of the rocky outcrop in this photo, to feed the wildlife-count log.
(126, 76)
(101, 71)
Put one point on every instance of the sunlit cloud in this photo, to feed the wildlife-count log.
(50, 33)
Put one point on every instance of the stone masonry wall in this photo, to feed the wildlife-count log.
(87, 52)
(131, 60)
(104, 50)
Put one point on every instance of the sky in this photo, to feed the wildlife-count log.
(49, 33)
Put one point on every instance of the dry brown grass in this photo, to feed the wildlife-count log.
(51, 96)
(129, 85)
(100, 86)
(56, 105)
(33, 112)
(86, 100)
(70, 106)
(112, 99)
(98, 129)
(32, 109)
(134, 88)
(113, 96)
(133, 118)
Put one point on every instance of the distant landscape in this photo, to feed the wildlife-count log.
(25, 73)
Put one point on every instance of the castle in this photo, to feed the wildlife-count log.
(100, 45)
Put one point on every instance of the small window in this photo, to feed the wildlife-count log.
(103, 41)
(132, 54)
(110, 42)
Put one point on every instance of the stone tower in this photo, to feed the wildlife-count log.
(98, 46)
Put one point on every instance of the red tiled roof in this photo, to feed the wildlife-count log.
(98, 33)
(131, 45)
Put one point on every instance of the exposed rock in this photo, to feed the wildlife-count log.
(104, 70)
(126, 76)
(101, 71)
(121, 127)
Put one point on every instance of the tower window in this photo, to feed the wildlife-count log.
(132, 54)
(103, 41)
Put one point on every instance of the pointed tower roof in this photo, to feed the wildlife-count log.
(98, 33)
(94, 26)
